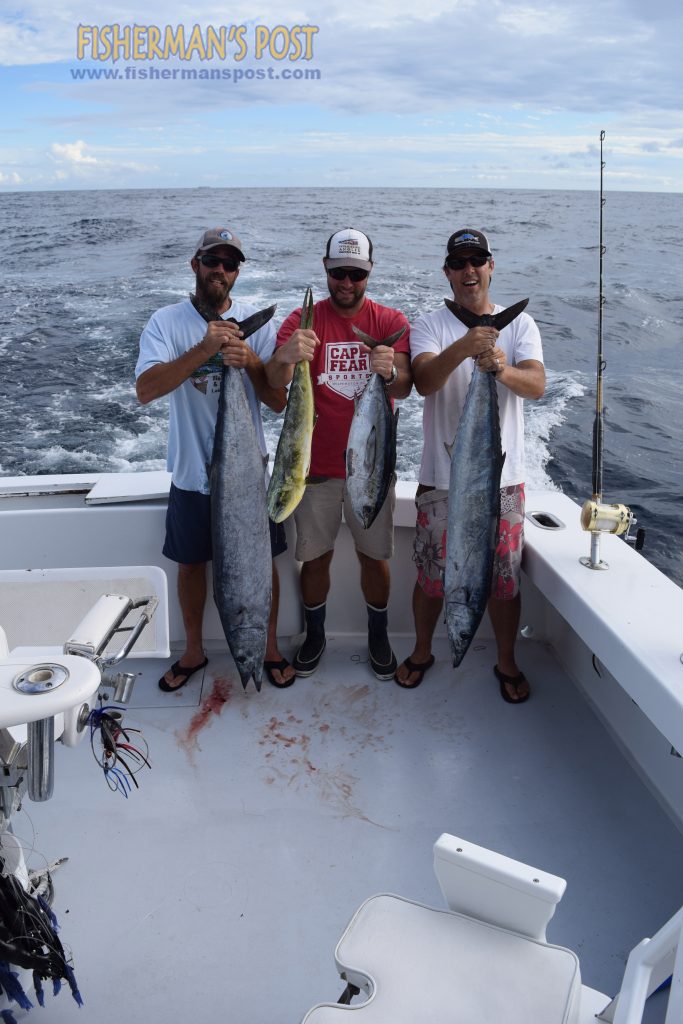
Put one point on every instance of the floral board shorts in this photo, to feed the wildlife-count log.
(429, 549)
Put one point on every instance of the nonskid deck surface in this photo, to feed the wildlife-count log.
(217, 892)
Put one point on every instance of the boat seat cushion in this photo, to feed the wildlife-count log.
(38, 653)
(433, 966)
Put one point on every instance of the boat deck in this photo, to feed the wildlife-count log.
(217, 892)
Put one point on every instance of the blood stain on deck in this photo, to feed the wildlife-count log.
(297, 751)
(211, 706)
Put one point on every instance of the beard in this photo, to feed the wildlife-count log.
(213, 290)
(348, 299)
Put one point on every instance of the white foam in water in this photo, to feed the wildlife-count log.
(120, 465)
(51, 460)
(540, 419)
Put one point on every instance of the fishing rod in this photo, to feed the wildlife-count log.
(596, 517)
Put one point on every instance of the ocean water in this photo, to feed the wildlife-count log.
(83, 271)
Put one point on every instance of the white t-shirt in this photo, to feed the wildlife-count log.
(434, 332)
(170, 333)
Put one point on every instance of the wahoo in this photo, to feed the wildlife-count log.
(293, 455)
(474, 495)
(371, 447)
(242, 571)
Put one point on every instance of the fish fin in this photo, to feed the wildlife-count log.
(204, 311)
(498, 320)
(374, 342)
(307, 311)
(449, 448)
(365, 338)
(506, 316)
(465, 316)
(394, 432)
(393, 338)
(255, 322)
(371, 449)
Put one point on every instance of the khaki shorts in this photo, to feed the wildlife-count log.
(318, 518)
(430, 542)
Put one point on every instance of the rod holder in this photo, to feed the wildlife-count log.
(597, 519)
(123, 687)
(41, 759)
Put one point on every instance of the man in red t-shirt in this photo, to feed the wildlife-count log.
(340, 368)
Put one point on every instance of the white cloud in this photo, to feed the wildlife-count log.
(72, 153)
(77, 160)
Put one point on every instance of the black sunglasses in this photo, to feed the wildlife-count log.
(354, 274)
(229, 264)
(460, 262)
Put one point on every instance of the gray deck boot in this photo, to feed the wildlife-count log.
(311, 651)
(382, 659)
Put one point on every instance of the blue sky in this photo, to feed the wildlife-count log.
(464, 93)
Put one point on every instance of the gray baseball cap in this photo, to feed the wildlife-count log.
(219, 236)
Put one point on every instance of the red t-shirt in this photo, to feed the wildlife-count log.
(339, 372)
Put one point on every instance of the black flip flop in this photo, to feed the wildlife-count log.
(413, 666)
(268, 667)
(514, 681)
(180, 670)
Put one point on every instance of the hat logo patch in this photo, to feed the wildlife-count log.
(225, 234)
(349, 247)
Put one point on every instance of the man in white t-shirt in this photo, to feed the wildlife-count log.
(181, 355)
(443, 353)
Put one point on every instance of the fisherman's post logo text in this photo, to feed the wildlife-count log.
(142, 47)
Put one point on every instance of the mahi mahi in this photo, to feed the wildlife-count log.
(293, 455)
(242, 570)
(371, 447)
(474, 495)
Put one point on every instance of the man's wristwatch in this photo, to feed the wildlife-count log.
(393, 377)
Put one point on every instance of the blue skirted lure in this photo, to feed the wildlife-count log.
(29, 940)
(119, 758)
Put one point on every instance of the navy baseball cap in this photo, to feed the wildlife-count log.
(467, 239)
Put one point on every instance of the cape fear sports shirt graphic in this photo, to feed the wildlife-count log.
(346, 369)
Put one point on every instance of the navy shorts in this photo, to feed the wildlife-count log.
(188, 528)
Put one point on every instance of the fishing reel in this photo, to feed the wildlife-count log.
(598, 518)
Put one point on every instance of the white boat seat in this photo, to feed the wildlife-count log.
(41, 607)
(486, 958)
(428, 965)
